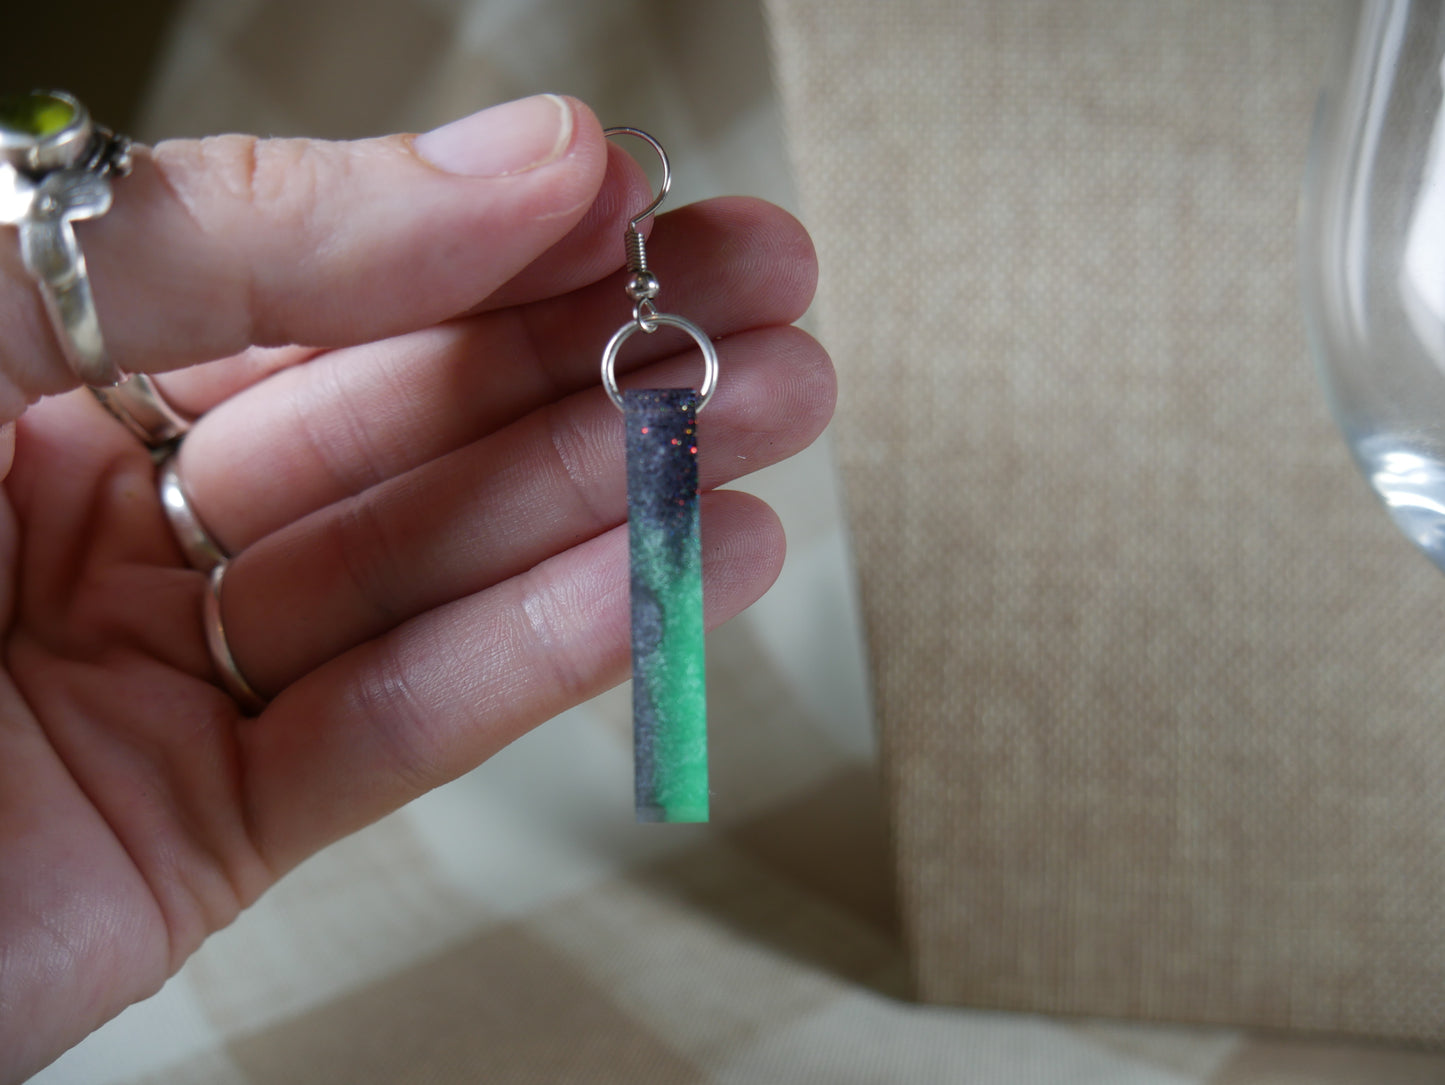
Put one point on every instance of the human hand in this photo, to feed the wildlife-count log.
(426, 506)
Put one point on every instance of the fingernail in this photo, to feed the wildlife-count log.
(504, 139)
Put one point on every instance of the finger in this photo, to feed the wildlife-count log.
(591, 250)
(216, 245)
(733, 262)
(494, 509)
(326, 430)
(195, 389)
(435, 697)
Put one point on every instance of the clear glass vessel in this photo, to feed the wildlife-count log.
(1373, 257)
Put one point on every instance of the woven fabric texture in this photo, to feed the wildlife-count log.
(1160, 688)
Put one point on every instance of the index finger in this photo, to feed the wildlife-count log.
(215, 245)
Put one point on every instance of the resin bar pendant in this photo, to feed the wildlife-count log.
(669, 687)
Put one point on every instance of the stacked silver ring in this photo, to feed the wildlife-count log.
(234, 682)
(56, 168)
(208, 556)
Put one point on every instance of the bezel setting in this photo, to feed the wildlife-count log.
(38, 148)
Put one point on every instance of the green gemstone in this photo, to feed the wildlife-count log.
(37, 114)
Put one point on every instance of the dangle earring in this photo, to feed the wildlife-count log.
(669, 689)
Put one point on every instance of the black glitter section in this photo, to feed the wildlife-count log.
(662, 458)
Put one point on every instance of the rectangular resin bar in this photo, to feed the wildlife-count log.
(669, 690)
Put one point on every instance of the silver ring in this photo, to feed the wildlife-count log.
(200, 547)
(138, 405)
(55, 169)
(656, 320)
(232, 680)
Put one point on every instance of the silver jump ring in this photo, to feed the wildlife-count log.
(138, 405)
(660, 320)
(200, 547)
(55, 170)
(232, 680)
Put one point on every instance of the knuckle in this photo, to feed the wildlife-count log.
(575, 453)
(367, 555)
(254, 199)
(335, 431)
(545, 630)
(403, 724)
(277, 179)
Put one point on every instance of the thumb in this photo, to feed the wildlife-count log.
(215, 245)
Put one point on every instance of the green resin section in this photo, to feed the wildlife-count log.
(672, 678)
(38, 115)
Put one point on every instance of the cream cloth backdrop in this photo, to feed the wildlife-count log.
(1160, 686)
(515, 927)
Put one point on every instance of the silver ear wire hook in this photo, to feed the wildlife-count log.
(662, 190)
(642, 287)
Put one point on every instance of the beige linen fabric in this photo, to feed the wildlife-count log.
(1160, 688)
